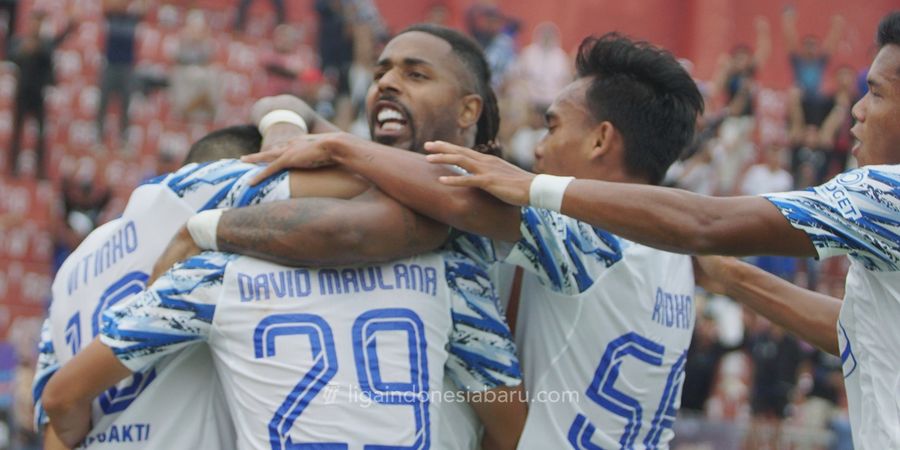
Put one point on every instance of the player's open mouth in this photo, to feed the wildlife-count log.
(391, 120)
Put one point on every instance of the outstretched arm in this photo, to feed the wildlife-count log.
(808, 314)
(405, 176)
(665, 218)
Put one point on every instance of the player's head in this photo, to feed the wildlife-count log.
(230, 142)
(432, 83)
(877, 112)
(627, 117)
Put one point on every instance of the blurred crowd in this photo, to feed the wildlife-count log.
(96, 97)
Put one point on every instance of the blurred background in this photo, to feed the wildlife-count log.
(96, 96)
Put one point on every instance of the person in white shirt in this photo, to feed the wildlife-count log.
(767, 176)
(114, 262)
(857, 213)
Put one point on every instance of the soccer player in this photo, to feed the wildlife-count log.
(114, 262)
(856, 213)
(327, 358)
(601, 316)
(324, 207)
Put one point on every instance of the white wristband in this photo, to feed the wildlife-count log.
(547, 191)
(202, 227)
(281, 116)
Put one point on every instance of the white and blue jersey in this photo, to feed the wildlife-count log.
(604, 325)
(177, 403)
(857, 213)
(334, 358)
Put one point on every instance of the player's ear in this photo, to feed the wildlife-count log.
(605, 138)
(470, 111)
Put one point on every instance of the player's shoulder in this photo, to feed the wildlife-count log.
(194, 174)
(200, 272)
(870, 188)
(574, 234)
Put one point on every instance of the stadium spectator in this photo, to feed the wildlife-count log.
(122, 20)
(194, 82)
(33, 55)
(776, 358)
(244, 5)
(292, 66)
(543, 66)
(84, 201)
(737, 71)
(702, 364)
(810, 57)
(10, 8)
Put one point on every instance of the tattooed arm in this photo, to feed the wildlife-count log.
(324, 231)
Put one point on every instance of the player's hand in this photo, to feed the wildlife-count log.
(302, 152)
(712, 273)
(278, 138)
(489, 173)
(180, 248)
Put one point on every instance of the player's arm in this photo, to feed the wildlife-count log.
(315, 123)
(326, 231)
(665, 218)
(403, 175)
(175, 312)
(68, 395)
(503, 418)
(52, 441)
(47, 366)
(482, 356)
(808, 314)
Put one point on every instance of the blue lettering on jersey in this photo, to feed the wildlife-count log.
(131, 432)
(123, 242)
(298, 283)
(286, 283)
(840, 198)
(673, 310)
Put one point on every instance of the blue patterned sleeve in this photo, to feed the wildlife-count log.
(482, 354)
(565, 254)
(479, 249)
(856, 213)
(47, 365)
(224, 184)
(173, 313)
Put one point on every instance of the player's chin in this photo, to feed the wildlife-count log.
(394, 141)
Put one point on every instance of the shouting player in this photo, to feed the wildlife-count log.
(602, 316)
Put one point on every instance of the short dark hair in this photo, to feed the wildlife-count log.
(471, 55)
(646, 94)
(889, 30)
(230, 142)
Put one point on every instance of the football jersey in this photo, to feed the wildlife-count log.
(857, 213)
(603, 328)
(177, 403)
(346, 357)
